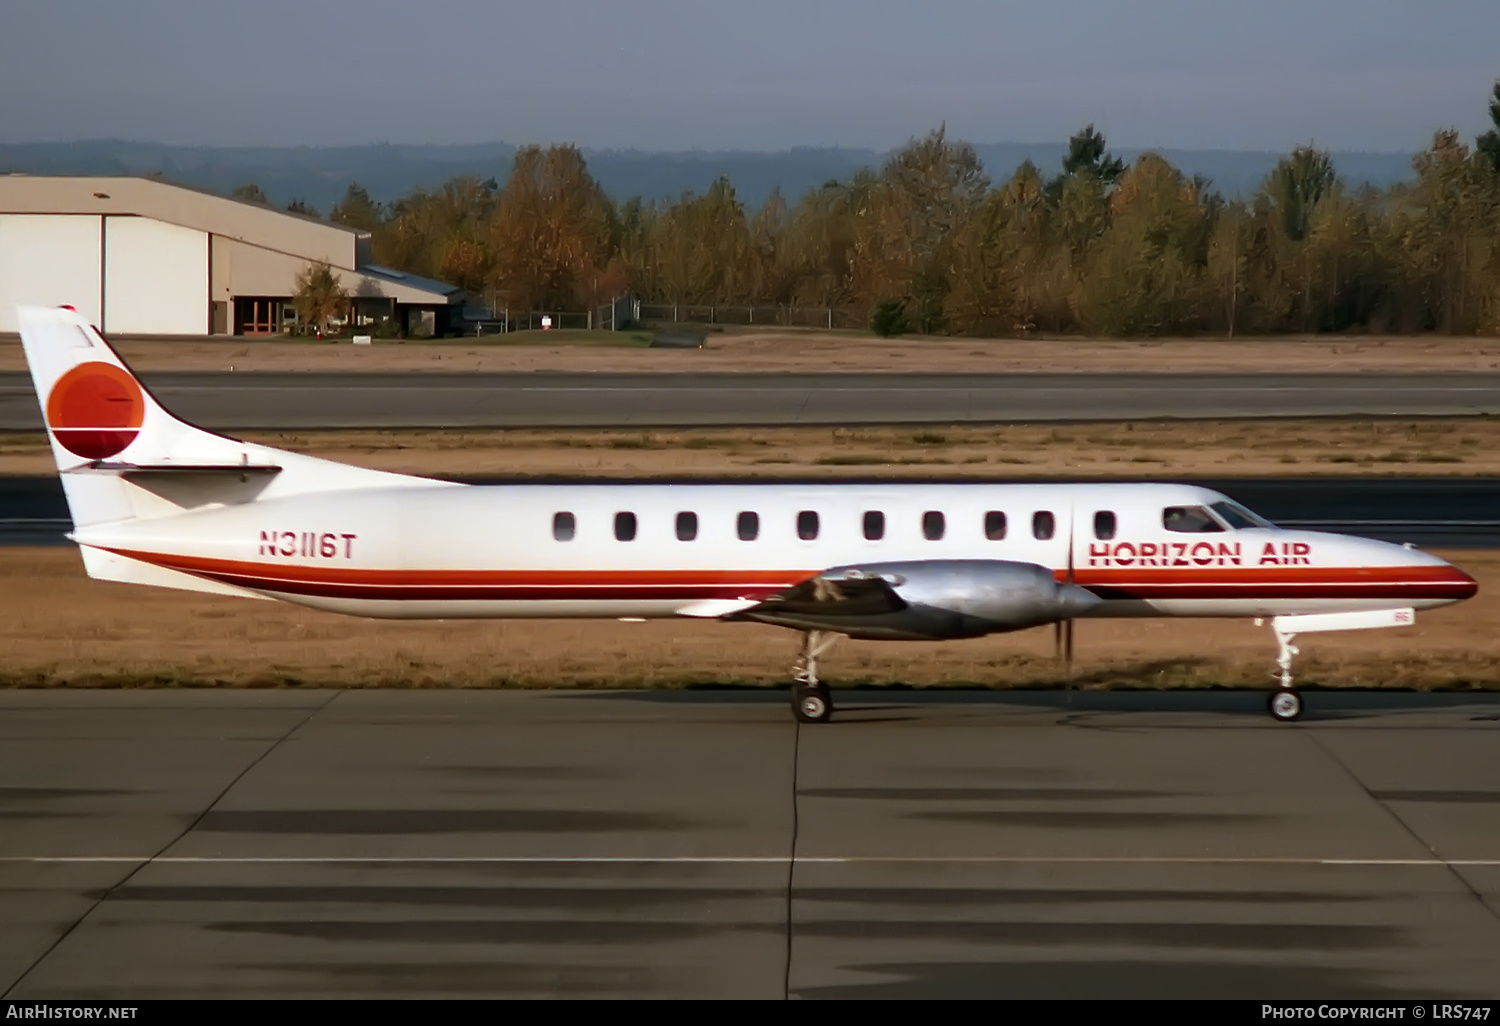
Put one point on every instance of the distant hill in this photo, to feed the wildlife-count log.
(319, 176)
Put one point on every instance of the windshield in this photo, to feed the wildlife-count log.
(1238, 517)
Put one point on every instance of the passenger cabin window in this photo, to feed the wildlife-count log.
(1104, 525)
(687, 526)
(994, 525)
(625, 526)
(1043, 525)
(563, 526)
(747, 525)
(807, 525)
(933, 525)
(874, 525)
(1189, 520)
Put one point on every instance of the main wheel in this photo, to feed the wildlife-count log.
(1285, 705)
(812, 705)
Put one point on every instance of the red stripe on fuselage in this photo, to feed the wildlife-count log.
(482, 585)
(1393, 582)
(1397, 583)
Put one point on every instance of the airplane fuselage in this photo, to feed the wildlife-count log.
(662, 550)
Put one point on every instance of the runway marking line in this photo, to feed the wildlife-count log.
(741, 860)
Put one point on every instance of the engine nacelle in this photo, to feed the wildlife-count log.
(927, 599)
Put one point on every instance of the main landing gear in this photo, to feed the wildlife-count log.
(811, 702)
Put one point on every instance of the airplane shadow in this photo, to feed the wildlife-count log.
(862, 702)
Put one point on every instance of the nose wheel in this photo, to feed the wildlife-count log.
(811, 702)
(1285, 705)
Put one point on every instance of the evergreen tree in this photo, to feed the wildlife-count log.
(251, 193)
(1488, 144)
(357, 210)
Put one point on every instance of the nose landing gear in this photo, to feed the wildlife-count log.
(811, 702)
(1285, 705)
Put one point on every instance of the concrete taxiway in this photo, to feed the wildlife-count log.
(280, 843)
(269, 401)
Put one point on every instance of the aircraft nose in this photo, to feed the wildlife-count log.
(1462, 585)
(1436, 577)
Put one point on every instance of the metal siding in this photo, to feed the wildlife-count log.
(155, 278)
(49, 260)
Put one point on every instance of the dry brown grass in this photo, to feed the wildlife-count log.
(747, 349)
(1149, 449)
(59, 629)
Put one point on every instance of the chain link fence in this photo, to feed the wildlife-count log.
(626, 312)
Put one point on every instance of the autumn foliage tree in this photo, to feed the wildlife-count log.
(1092, 245)
(319, 297)
(553, 232)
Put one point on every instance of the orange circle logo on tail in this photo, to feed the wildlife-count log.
(95, 410)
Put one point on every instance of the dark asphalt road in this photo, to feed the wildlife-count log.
(307, 401)
(1430, 512)
(222, 844)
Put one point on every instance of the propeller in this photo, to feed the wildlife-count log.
(1063, 630)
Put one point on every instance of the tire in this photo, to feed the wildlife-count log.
(812, 705)
(1285, 705)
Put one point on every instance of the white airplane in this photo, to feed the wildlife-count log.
(156, 501)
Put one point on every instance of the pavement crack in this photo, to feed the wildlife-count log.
(1447, 864)
(167, 846)
(791, 862)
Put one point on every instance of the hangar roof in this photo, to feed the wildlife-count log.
(292, 235)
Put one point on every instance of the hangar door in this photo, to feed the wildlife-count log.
(49, 260)
(155, 278)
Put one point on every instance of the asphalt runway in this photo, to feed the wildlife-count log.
(308, 401)
(1437, 512)
(169, 844)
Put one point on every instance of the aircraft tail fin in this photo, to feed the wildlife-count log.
(122, 456)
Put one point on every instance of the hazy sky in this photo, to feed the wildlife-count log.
(752, 74)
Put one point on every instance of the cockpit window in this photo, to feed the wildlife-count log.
(1189, 520)
(1238, 517)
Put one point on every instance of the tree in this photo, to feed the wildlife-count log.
(319, 296)
(1087, 155)
(1144, 275)
(552, 230)
(889, 318)
(703, 249)
(1296, 184)
(1228, 254)
(424, 227)
(296, 206)
(1488, 144)
(1450, 228)
(251, 193)
(925, 195)
(357, 210)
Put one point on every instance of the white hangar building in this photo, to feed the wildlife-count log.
(142, 256)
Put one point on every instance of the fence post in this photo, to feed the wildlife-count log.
(752, 313)
(710, 313)
(830, 318)
(674, 313)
